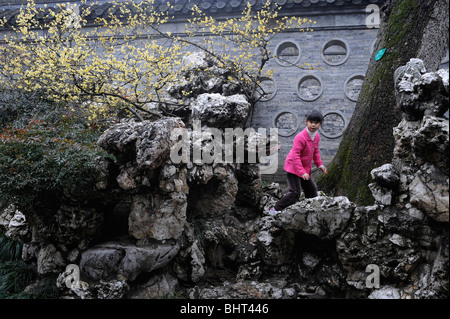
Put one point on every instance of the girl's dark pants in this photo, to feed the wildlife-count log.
(296, 184)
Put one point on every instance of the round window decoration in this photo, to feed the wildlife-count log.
(287, 123)
(309, 88)
(335, 52)
(267, 89)
(353, 86)
(333, 125)
(287, 53)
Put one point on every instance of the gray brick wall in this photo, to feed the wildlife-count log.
(337, 106)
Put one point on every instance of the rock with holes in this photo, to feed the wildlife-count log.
(419, 92)
(148, 143)
(428, 191)
(213, 190)
(157, 216)
(216, 110)
(322, 216)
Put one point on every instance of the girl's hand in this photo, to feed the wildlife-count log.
(305, 176)
(324, 169)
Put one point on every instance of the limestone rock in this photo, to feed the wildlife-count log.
(14, 224)
(214, 198)
(249, 185)
(103, 173)
(157, 216)
(387, 292)
(76, 225)
(194, 60)
(157, 223)
(228, 241)
(381, 195)
(419, 93)
(71, 287)
(6, 214)
(49, 260)
(270, 195)
(433, 277)
(190, 264)
(385, 175)
(216, 110)
(430, 142)
(107, 260)
(200, 75)
(148, 143)
(322, 216)
(173, 179)
(275, 244)
(392, 239)
(113, 289)
(161, 285)
(429, 192)
(403, 135)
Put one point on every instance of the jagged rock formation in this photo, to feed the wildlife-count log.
(202, 227)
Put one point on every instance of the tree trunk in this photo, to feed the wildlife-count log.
(408, 29)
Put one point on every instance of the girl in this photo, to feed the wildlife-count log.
(298, 165)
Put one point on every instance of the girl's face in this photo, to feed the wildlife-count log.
(312, 125)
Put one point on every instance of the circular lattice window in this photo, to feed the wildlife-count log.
(335, 52)
(287, 53)
(287, 123)
(309, 88)
(267, 89)
(353, 86)
(333, 125)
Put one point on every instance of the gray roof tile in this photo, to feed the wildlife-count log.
(9, 8)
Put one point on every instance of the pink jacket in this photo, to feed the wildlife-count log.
(304, 151)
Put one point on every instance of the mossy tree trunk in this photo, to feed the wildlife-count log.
(408, 29)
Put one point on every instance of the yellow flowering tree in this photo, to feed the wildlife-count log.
(129, 58)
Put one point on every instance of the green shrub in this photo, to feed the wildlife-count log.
(41, 157)
(14, 277)
(15, 274)
(15, 105)
(9, 249)
(44, 148)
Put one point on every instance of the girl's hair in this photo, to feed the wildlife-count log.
(314, 116)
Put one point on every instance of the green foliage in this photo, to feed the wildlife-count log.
(44, 148)
(9, 249)
(15, 275)
(14, 104)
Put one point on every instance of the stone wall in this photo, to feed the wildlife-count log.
(331, 88)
